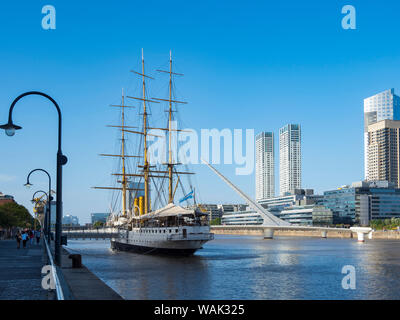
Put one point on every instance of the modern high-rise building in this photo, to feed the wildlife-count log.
(265, 166)
(289, 158)
(382, 106)
(384, 151)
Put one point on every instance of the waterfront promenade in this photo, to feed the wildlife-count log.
(20, 272)
(21, 279)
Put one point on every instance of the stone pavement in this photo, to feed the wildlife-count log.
(84, 284)
(20, 272)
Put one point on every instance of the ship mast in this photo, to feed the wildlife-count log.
(170, 165)
(146, 163)
(124, 180)
(146, 173)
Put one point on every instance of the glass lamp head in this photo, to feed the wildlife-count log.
(10, 128)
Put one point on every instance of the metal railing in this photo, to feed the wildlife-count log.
(58, 287)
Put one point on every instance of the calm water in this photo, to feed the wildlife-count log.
(248, 267)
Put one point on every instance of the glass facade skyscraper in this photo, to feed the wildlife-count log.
(382, 106)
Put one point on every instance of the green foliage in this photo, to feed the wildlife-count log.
(98, 224)
(387, 224)
(215, 222)
(14, 215)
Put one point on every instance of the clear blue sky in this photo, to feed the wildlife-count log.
(247, 64)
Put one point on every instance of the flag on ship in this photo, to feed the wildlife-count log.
(188, 196)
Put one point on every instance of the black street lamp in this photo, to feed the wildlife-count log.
(41, 191)
(47, 215)
(10, 128)
(49, 199)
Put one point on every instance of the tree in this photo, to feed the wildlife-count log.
(216, 221)
(14, 215)
(98, 224)
(379, 224)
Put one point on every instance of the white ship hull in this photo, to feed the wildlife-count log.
(182, 240)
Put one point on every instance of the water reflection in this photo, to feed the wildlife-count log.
(248, 267)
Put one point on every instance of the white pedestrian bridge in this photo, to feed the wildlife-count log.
(272, 223)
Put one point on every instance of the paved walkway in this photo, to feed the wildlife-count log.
(84, 284)
(20, 272)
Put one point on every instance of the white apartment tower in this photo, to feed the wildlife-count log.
(289, 158)
(265, 166)
(382, 106)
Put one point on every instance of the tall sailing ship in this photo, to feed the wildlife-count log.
(170, 229)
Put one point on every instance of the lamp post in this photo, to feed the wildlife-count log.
(48, 212)
(49, 199)
(10, 128)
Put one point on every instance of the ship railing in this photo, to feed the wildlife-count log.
(191, 236)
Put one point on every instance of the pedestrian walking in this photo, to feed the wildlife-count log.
(24, 238)
(31, 236)
(18, 237)
(37, 234)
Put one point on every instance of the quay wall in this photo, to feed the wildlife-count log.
(82, 283)
(391, 234)
(258, 231)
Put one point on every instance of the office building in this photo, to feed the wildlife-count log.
(69, 220)
(382, 106)
(265, 166)
(101, 217)
(245, 217)
(323, 216)
(294, 199)
(218, 210)
(289, 158)
(289, 199)
(364, 201)
(297, 214)
(224, 208)
(4, 198)
(307, 215)
(384, 151)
